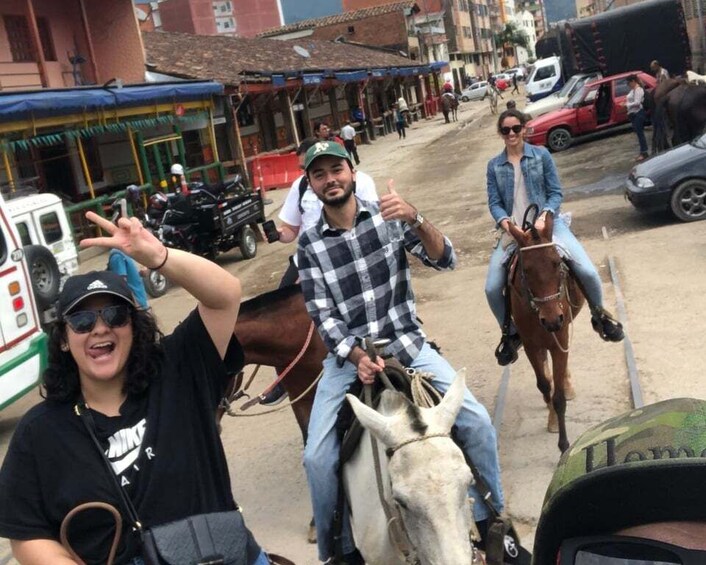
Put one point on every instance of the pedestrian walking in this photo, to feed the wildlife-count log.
(514, 84)
(348, 136)
(400, 122)
(636, 113)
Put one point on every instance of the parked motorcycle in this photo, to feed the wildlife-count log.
(210, 219)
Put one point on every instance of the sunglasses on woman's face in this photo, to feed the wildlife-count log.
(622, 550)
(84, 321)
(517, 128)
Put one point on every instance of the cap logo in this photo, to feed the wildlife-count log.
(320, 146)
(96, 285)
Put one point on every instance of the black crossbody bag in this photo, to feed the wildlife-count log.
(218, 538)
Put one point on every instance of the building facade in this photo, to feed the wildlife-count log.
(391, 26)
(244, 18)
(76, 118)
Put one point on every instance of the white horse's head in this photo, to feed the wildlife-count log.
(428, 474)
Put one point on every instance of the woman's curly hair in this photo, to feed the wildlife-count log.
(61, 380)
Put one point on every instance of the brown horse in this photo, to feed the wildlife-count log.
(272, 328)
(544, 300)
(449, 105)
(678, 106)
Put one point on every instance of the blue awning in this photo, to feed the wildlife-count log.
(313, 78)
(56, 102)
(438, 65)
(354, 76)
(279, 80)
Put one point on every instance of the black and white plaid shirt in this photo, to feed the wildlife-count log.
(357, 283)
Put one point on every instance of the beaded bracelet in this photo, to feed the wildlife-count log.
(166, 256)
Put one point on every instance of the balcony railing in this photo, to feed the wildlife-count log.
(19, 76)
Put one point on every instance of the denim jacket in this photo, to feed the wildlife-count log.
(541, 180)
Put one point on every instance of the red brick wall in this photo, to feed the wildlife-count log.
(254, 16)
(116, 40)
(387, 30)
(188, 16)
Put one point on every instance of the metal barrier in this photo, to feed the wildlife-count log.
(80, 227)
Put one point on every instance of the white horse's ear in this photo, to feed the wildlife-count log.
(373, 421)
(446, 412)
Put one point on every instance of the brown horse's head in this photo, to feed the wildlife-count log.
(540, 273)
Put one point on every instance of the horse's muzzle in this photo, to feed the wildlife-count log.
(554, 325)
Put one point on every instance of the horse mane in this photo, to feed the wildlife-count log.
(269, 299)
(416, 421)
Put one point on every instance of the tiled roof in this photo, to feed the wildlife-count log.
(226, 59)
(351, 16)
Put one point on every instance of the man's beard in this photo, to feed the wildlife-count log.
(339, 201)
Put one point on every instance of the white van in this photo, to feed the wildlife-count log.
(23, 343)
(557, 100)
(40, 219)
(544, 78)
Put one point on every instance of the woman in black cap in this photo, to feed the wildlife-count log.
(151, 399)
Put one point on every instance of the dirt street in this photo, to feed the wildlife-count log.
(440, 168)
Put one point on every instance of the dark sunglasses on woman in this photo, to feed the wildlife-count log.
(84, 321)
(517, 128)
(622, 550)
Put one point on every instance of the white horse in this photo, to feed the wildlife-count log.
(424, 475)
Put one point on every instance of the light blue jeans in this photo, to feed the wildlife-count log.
(582, 266)
(475, 433)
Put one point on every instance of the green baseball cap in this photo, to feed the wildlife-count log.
(322, 148)
(647, 465)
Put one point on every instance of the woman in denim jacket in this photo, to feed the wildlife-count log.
(522, 175)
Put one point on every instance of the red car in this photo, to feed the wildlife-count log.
(598, 106)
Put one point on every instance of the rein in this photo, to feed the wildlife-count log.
(227, 400)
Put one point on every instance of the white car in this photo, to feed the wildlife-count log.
(476, 91)
(519, 71)
(558, 99)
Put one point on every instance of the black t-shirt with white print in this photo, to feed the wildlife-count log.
(164, 447)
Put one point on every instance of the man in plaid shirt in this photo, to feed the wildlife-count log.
(356, 283)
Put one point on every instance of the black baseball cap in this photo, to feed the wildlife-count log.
(78, 287)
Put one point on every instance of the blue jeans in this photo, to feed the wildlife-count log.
(582, 266)
(638, 124)
(475, 433)
(261, 560)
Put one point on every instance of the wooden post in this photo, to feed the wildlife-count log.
(365, 134)
(369, 112)
(84, 166)
(212, 136)
(34, 33)
(333, 101)
(8, 171)
(288, 117)
(135, 157)
(308, 128)
(239, 151)
(143, 157)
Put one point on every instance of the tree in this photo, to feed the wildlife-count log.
(510, 37)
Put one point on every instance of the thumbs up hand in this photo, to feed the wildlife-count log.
(393, 207)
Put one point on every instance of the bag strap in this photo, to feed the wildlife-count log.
(84, 413)
(303, 185)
